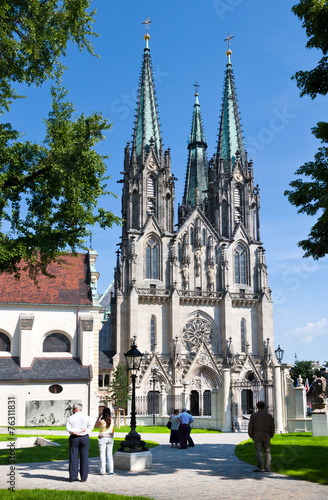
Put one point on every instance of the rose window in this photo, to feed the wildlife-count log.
(196, 331)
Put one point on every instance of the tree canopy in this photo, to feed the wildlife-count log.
(118, 390)
(311, 196)
(303, 368)
(49, 192)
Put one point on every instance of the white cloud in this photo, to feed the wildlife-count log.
(308, 332)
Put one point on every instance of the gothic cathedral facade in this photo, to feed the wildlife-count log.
(194, 295)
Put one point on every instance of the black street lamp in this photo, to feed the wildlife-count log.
(279, 354)
(132, 440)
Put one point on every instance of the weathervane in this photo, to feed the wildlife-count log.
(197, 86)
(229, 37)
(147, 22)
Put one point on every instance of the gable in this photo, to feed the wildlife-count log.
(71, 286)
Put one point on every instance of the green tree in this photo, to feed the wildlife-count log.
(303, 368)
(311, 196)
(49, 192)
(118, 390)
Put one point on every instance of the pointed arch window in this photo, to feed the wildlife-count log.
(204, 237)
(240, 265)
(150, 195)
(179, 253)
(152, 259)
(153, 336)
(238, 205)
(135, 210)
(243, 335)
(191, 236)
(225, 219)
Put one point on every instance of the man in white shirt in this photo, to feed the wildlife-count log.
(79, 426)
(185, 419)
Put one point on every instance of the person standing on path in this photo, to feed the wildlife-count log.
(105, 441)
(79, 426)
(261, 430)
(189, 438)
(174, 434)
(184, 420)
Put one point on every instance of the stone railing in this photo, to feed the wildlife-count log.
(241, 298)
(199, 296)
(153, 295)
(158, 292)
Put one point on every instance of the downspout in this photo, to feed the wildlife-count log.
(77, 332)
(89, 388)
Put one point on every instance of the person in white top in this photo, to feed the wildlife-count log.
(184, 420)
(105, 441)
(79, 426)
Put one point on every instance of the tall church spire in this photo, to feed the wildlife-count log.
(196, 177)
(146, 125)
(230, 140)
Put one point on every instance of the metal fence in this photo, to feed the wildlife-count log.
(173, 403)
(148, 405)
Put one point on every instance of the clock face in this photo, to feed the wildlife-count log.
(238, 177)
(151, 167)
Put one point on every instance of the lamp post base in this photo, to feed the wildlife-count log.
(133, 461)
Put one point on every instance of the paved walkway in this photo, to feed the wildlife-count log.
(210, 470)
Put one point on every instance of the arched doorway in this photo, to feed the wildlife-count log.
(207, 403)
(194, 403)
(153, 403)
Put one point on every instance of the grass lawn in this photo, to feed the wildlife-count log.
(297, 454)
(62, 495)
(53, 453)
(142, 429)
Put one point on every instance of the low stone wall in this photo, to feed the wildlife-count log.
(299, 425)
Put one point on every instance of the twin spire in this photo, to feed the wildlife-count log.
(147, 133)
(147, 129)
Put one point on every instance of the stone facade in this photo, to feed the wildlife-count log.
(195, 296)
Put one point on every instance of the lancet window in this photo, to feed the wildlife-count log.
(243, 335)
(152, 253)
(240, 265)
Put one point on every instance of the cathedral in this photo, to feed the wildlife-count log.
(194, 296)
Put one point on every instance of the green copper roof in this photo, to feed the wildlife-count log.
(146, 124)
(196, 176)
(230, 135)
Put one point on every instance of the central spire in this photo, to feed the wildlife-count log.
(196, 177)
(230, 142)
(147, 130)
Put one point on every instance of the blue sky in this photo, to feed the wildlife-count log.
(187, 46)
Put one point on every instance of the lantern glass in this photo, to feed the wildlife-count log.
(133, 358)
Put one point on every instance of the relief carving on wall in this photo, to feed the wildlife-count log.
(201, 383)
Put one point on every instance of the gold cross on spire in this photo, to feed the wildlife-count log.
(146, 23)
(229, 37)
(196, 85)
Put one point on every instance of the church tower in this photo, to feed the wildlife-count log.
(195, 297)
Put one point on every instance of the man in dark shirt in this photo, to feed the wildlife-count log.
(261, 430)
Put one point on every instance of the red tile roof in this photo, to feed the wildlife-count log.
(71, 285)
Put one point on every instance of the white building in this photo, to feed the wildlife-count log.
(49, 340)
